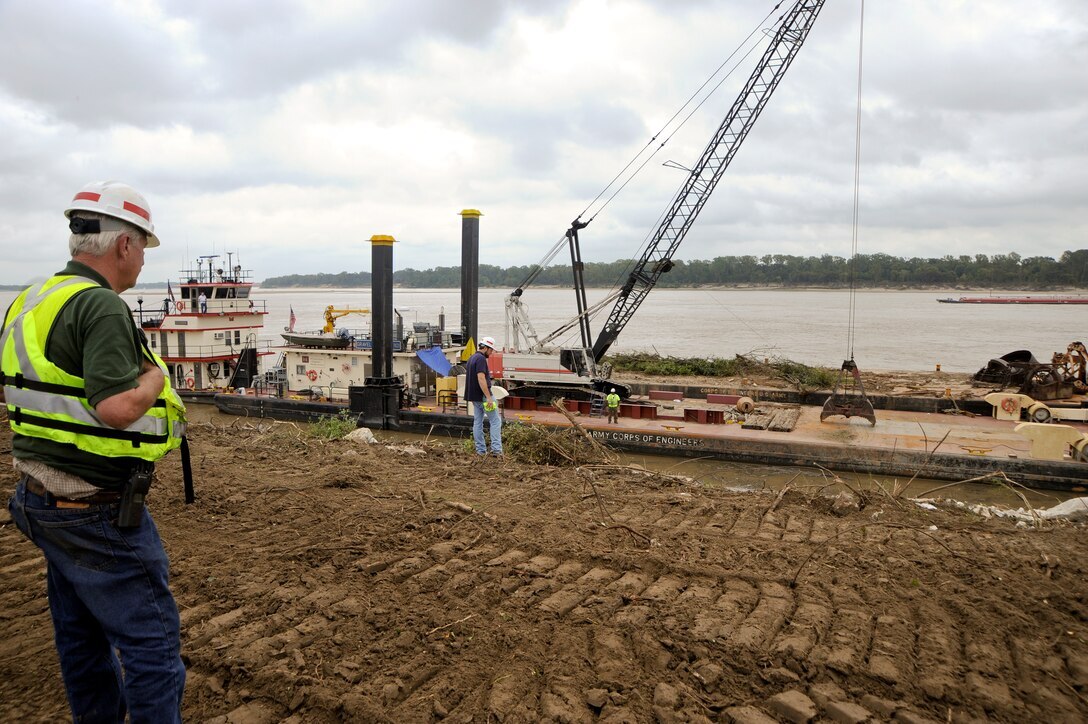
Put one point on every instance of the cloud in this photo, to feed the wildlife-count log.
(290, 131)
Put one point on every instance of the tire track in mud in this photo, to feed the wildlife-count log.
(28, 660)
(331, 601)
(615, 622)
(846, 632)
(664, 622)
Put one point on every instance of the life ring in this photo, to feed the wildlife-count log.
(180, 306)
(312, 375)
(190, 382)
(1008, 404)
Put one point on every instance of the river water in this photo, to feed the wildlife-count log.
(893, 330)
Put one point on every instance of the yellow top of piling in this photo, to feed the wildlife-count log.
(382, 240)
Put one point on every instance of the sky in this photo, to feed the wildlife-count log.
(287, 133)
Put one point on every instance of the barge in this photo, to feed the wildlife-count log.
(1016, 300)
(918, 438)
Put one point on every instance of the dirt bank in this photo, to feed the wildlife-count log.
(328, 581)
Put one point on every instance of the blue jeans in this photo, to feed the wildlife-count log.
(494, 425)
(108, 591)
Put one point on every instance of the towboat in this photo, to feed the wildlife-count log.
(209, 345)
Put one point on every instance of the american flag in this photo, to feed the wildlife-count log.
(169, 291)
(291, 321)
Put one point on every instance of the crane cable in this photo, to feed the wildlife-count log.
(657, 223)
(649, 234)
(857, 186)
(644, 246)
(676, 114)
(539, 266)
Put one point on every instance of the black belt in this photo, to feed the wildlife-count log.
(35, 486)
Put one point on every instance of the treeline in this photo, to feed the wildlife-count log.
(1007, 271)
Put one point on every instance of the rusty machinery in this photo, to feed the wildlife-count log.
(1062, 377)
(1072, 364)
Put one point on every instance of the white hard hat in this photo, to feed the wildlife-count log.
(488, 342)
(613, 389)
(116, 199)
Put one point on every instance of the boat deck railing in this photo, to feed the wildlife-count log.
(221, 306)
(155, 316)
(215, 275)
(212, 351)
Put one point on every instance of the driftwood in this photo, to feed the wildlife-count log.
(604, 452)
(775, 420)
(467, 509)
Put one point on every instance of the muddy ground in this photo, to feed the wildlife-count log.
(332, 581)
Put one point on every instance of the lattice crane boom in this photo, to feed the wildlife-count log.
(701, 181)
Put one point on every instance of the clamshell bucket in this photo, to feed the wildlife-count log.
(848, 398)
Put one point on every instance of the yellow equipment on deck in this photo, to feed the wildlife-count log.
(331, 315)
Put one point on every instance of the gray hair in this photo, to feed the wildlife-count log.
(98, 244)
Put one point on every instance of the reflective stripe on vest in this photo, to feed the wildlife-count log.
(45, 401)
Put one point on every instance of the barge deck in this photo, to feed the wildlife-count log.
(904, 443)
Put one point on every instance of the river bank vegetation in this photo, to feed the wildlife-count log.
(999, 271)
(801, 376)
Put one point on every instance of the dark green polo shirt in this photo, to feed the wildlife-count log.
(95, 338)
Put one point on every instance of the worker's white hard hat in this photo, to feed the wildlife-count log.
(613, 389)
(116, 199)
(488, 342)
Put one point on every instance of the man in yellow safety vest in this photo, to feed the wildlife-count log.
(92, 409)
(613, 401)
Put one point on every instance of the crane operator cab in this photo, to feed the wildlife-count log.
(579, 361)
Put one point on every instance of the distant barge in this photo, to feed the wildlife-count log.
(1014, 300)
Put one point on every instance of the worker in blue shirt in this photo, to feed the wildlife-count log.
(478, 392)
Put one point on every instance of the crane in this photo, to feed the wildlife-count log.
(331, 315)
(656, 259)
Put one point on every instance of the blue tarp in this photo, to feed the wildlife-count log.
(435, 359)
